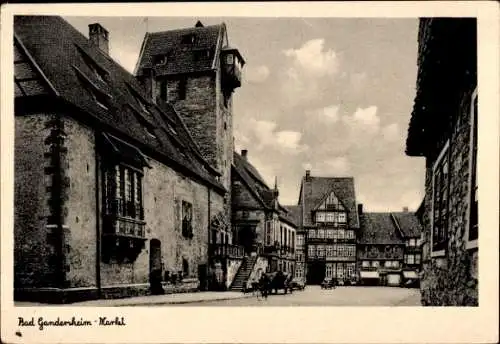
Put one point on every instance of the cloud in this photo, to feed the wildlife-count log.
(338, 165)
(125, 56)
(363, 120)
(357, 81)
(312, 57)
(267, 136)
(329, 113)
(256, 74)
(307, 72)
(391, 132)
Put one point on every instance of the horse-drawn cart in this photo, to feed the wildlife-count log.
(275, 281)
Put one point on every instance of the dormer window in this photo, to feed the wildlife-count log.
(142, 103)
(188, 39)
(160, 60)
(99, 72)
(100, 97)
(202, 54)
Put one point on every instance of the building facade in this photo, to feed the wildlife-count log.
(264, 227)
(112, 190)
(330, 222)
(388, 247)
(443, 130)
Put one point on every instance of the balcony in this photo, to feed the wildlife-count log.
(226, 250)
(125, 227)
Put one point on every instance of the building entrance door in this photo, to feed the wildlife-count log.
(247, 238)
(315, 272)
(155, 268)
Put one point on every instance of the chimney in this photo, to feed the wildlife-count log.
(308, 175)
(360, 209)
(98, 37)
(244, 154)
(405, 209)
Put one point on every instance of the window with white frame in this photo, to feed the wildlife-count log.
(375, 264)
(329, 250)
(329, 233)
(440, 201)
(329, 270)
(300, 240)
(320, 216)
(321, 233)
(312, 234)
(268, 233)
(410, 259)
(351, 267)
(342, 218)
(365, 264)
(311, 251)
(341, 234)
(473, 217)
(320, 250)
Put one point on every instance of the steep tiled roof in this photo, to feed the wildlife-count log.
(256, 186)
(409, 224)
(378, 228)
(240, 167)
(70, 64)
(293, 213)
(316, 188)
(187, 50)
(447, 66)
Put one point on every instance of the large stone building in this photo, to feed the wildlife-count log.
(329, 218)
(388, 247)
(114, 186)
(443, 130)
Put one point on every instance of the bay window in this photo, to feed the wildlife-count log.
(123, 199)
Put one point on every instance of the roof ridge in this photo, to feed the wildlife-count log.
(35, 64)
(184, 29)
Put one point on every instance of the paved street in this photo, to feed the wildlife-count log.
(341, 296)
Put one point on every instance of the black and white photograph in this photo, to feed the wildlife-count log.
(179, 161)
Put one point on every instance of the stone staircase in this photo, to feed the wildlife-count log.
(243, 273)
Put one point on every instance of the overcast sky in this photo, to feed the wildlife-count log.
(333, 95)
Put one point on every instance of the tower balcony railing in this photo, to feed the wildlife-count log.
(226, 250)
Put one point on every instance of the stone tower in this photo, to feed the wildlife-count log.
(196, 71)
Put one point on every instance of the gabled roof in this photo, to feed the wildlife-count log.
(240, 170)
(293, 213)
(315, 189)
(255, 184)
(409, 224)
(186, 50)
(70, 64)
(378, 228)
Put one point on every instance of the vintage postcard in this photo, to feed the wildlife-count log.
(250, 172)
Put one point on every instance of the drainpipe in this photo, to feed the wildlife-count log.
(98, 227)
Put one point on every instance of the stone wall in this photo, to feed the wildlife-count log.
(232, 266)
(451, 280)
(259, 268)
(163, 192)
(81, 204)
(198, 111)
(32, 266)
